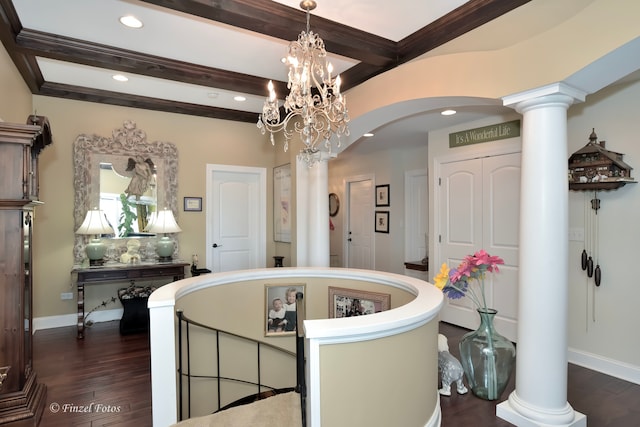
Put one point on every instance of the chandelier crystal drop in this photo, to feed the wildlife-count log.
(315, 109)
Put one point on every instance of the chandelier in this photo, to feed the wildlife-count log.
(315, 108)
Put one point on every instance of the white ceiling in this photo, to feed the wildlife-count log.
(194, 40)
(170, 34)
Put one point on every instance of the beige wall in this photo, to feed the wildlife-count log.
(200, 141)
(15, 97)
(362, 387)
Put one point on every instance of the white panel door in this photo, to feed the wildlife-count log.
(501, 213)
(360, 225)
(479, 209)
(235, 219)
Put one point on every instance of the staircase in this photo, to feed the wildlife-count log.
(281, 407)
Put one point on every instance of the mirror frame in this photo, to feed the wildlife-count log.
(127, 141)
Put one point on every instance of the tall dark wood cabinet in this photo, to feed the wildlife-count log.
(22, 398)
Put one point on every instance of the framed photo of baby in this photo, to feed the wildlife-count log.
(280, 308)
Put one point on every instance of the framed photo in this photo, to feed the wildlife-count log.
(280, 308)
(350, 302)
(282, 203)
(382, 195)
(382, 222)
(193, 204)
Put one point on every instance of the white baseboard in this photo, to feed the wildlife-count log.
(615, 368)
(49, 322)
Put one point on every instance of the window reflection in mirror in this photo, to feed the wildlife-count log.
(128, 214)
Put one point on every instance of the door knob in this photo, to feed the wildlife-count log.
(215, 245)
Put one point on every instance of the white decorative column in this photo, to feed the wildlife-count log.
(312, 213)
(540, 397)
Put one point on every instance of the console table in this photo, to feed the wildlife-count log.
(85, 275)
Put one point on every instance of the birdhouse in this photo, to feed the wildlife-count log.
(593, 168)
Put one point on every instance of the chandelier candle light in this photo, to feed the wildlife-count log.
(315, 105)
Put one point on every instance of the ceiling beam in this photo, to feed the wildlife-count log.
(282, 22)
(467, 17)
(62, 48)
(80, 93)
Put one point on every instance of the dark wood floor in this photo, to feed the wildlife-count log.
(101, 380)
(104, 380)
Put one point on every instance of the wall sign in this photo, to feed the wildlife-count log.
(485, 134)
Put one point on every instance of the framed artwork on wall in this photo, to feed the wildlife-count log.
(382, 222)
(282, 203)
(382, 195)
(193, 204)
(350, 302)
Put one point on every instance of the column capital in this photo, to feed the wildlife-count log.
(553, 93)
(311, 158)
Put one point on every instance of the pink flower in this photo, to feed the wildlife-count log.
(490, 263)
(457, 284)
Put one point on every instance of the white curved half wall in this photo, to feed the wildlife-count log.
(394, 349)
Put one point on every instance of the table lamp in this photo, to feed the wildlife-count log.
(164, 223)
(95, 223)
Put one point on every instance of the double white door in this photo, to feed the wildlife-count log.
(479, 208)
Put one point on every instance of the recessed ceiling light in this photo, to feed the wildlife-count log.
(130, 21)
(448, 112)
(239, 98)
(213, 95)
(120, 78)
(368, 135)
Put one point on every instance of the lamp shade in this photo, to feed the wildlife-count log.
(164, 222)
(95, 223)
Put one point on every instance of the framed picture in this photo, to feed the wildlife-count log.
(382, 195)
(282, 203)
(350, 302)
(193, 204)
(280, 308)
(382, 222)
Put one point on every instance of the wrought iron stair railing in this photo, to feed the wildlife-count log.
(185, 374)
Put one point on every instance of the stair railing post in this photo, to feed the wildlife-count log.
(300, 358)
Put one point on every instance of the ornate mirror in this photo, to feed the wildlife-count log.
(127, 177)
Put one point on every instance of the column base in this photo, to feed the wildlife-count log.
(526, 416)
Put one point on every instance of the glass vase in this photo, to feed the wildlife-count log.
(487, 358)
